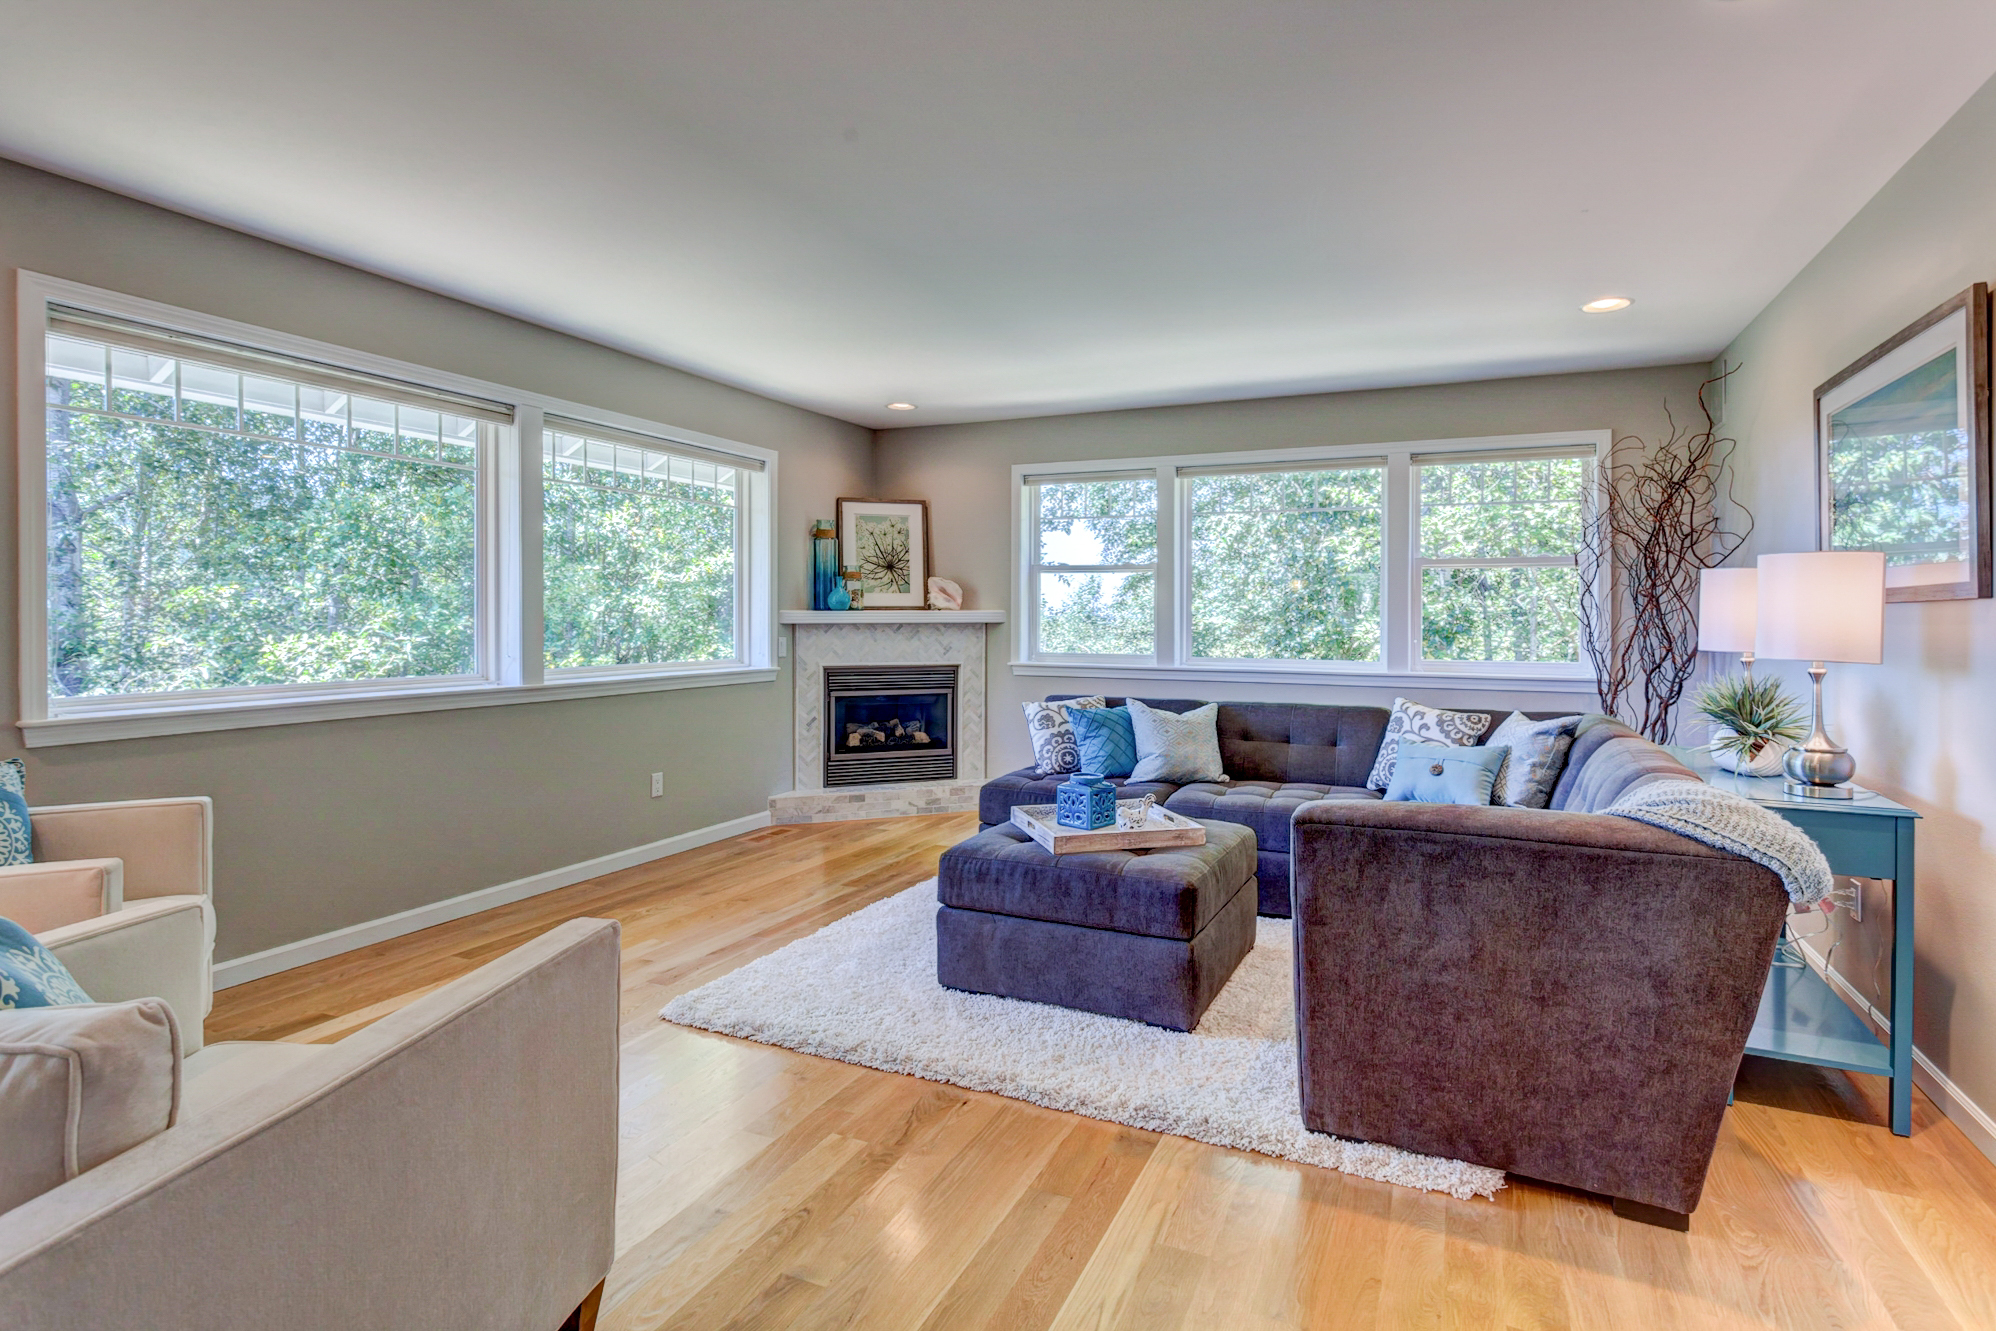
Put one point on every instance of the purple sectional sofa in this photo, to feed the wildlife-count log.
(1554, 992)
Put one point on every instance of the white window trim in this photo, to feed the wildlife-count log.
(1172, 659)
(511, 652)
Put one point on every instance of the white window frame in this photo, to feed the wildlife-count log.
(511, 653)
(1400, 537)
(1035, 570)
(743, 556)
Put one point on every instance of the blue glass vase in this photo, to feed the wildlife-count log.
(825, 572)
(1085, 801)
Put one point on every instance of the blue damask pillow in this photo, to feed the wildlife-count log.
(30, 975)
(1108, 741)
(17, 842)
(1445, 773)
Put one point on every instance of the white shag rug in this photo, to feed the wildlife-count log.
(863, 990)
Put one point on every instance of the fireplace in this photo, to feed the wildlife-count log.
(889, 723)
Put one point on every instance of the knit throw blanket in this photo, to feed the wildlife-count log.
(1725, 821)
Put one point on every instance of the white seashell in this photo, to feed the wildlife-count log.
(945, 595)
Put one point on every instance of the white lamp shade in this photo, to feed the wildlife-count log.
(1727, 599)
(1822, 605)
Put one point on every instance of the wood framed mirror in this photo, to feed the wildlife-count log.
(1903, 455)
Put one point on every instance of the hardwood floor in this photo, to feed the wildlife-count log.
(765, 1188)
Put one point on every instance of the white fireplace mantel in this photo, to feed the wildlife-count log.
(861, 618)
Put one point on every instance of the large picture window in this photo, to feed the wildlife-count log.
(225, 525)
(1287, 565)
(1453, 557)
(213, 529)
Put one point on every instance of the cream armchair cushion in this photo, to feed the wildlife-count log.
(80, 1084)
(122, 894)
(157, 948)
(40, 897)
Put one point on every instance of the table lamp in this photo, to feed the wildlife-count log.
(1820, 606)
(1727, 606)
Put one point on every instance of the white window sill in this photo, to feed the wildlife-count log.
(129, 721)
(1518, 682)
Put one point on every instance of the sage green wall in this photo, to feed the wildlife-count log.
(964, 471)
(330, 824)
(1922, 725)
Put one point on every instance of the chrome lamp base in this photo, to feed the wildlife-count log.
(1822, 768)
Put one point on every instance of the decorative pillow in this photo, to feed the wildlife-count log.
(1108, 742)
(1444, 773)
(1055, 750)
(16, 835)
(1412, 720)
(79, 1085)
(1174, 747)
(1536, 757)
(30, 975)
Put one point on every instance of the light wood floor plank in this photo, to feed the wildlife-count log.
(763, 1188)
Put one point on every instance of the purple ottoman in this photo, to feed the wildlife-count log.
(1148, 935)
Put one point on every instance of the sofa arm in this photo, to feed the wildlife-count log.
(452, 1165)
(165, 843)
(40, 897)
(159, 948)
(1561, 995)
(1545, 827)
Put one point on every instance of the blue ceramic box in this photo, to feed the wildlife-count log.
(1086, 801)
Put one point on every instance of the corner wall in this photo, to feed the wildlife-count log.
(1922, 725)
(964, 471)
(334, 823)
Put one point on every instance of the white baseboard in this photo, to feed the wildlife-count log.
(240, 970)
(1974, 1122)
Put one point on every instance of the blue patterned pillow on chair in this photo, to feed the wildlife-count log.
(30, 975)
(1108, 742)
(17, 843)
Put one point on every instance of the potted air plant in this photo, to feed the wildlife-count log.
(1753, 723)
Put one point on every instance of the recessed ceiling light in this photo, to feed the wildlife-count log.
(1607, 304)
(900, 406)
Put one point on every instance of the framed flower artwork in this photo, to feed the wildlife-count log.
(887, 540)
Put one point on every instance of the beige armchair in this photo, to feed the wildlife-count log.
(454, 1165)
(122, 893)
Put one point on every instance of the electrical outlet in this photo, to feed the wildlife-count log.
(782, 646)
(657, 785)
(1849, 893)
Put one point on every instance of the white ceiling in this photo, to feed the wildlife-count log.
(1007, 209)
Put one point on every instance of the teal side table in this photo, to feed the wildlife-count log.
(1802, 1019)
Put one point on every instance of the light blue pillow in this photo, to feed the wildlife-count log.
(17, 842)
(30, 975)
(1445, 773)
(1177, 747)
(1108, 741)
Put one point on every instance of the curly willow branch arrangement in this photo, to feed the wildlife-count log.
(1656, 522)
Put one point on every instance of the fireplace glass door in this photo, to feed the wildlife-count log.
(887, 724)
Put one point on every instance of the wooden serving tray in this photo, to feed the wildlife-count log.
(1165, 829)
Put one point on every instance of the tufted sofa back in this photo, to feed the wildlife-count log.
(1278, 741)
(1313, 742)
(1332, 745)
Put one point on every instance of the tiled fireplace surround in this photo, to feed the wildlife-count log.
(877, 638)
